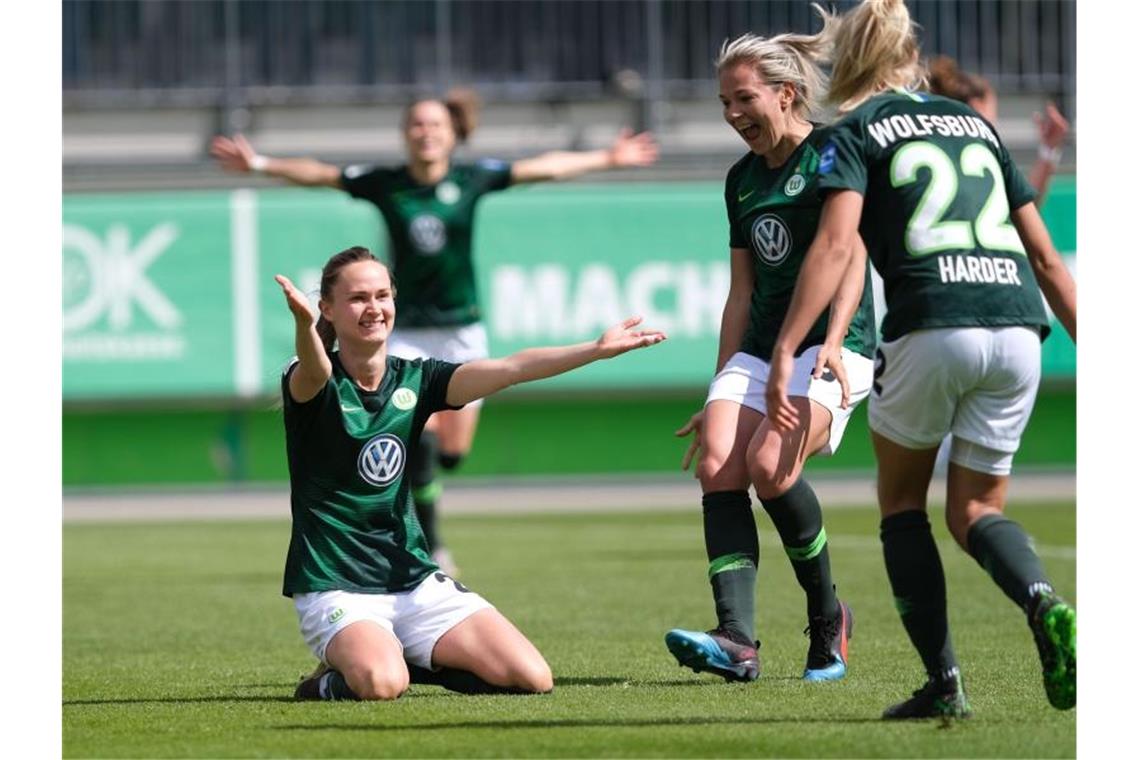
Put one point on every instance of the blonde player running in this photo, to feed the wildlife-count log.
(950, 224)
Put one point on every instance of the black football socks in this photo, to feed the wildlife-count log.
(460, 681)
(1002, 547)
(919, 587)
(799, 521)
(426, 489)
(733, 551)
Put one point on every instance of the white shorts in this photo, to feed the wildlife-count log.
(744, 380)
(978, 383)
(416, 618)
(452, 344)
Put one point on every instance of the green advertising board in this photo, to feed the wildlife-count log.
(171, 295)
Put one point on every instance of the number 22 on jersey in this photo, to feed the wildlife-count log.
(926, 232)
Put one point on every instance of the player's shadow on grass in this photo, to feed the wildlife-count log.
(586, 723)
(177, 700)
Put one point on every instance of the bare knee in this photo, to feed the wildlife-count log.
(769, 475)
(534, 676)
(377, 684)
(717, 473)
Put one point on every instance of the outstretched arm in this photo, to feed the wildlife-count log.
(628, 150)
(237, 155)
(826, 263)
(480, 378)
(1052, 275)
(313, 366)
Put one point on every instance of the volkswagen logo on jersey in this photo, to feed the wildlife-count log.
(428, 233)
(381, 460)
(770, 239)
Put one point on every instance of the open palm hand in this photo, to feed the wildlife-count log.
(622, 337)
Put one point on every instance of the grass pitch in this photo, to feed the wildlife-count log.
(177, 643)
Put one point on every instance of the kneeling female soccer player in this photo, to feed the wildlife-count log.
(372, 605)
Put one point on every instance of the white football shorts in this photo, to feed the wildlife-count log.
(416, 618)
(977, 383)
(452, 344)
(744, 379)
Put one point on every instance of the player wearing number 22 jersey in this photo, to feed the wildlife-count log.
(947, 252)
(949, 223)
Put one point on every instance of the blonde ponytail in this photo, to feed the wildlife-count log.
(875, 48)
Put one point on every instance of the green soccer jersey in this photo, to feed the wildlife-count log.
(774, 214)
(430, 229)
(354, 527)
(938, 186)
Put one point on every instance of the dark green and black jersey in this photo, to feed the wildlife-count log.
(938, 186)
(430, 229)
(354, 527)
(774, 214)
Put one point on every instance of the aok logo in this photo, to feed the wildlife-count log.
(106, 277)
(381, 460)
(771, 240)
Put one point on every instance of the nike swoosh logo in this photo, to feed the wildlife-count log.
(742, 197)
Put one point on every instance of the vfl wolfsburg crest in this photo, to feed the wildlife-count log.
(428, 233)
(795, 185)
(771, 240)
(381, 460)
(447, 192)
(404, 399)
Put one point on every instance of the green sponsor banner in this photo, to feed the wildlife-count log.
(147, 296)
(171, 295)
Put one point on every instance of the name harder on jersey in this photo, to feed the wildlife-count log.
(973, 269)
(927, 232)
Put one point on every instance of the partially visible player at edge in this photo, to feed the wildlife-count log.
(933, 191)
(372, 606)
(973, 90)
(428, 206)
(768, 90)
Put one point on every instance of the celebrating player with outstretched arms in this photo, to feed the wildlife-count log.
(372, 606)
(429, 209)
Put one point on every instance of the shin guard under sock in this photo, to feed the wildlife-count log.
(1002, 547)
(919, 587)
(799, 521)
(733, 551)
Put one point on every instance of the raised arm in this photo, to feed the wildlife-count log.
(827, 261)
(313, 366)
(627, 150)
(1052, 275)
(480, 378)
(237, 155)
(1052, 128)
